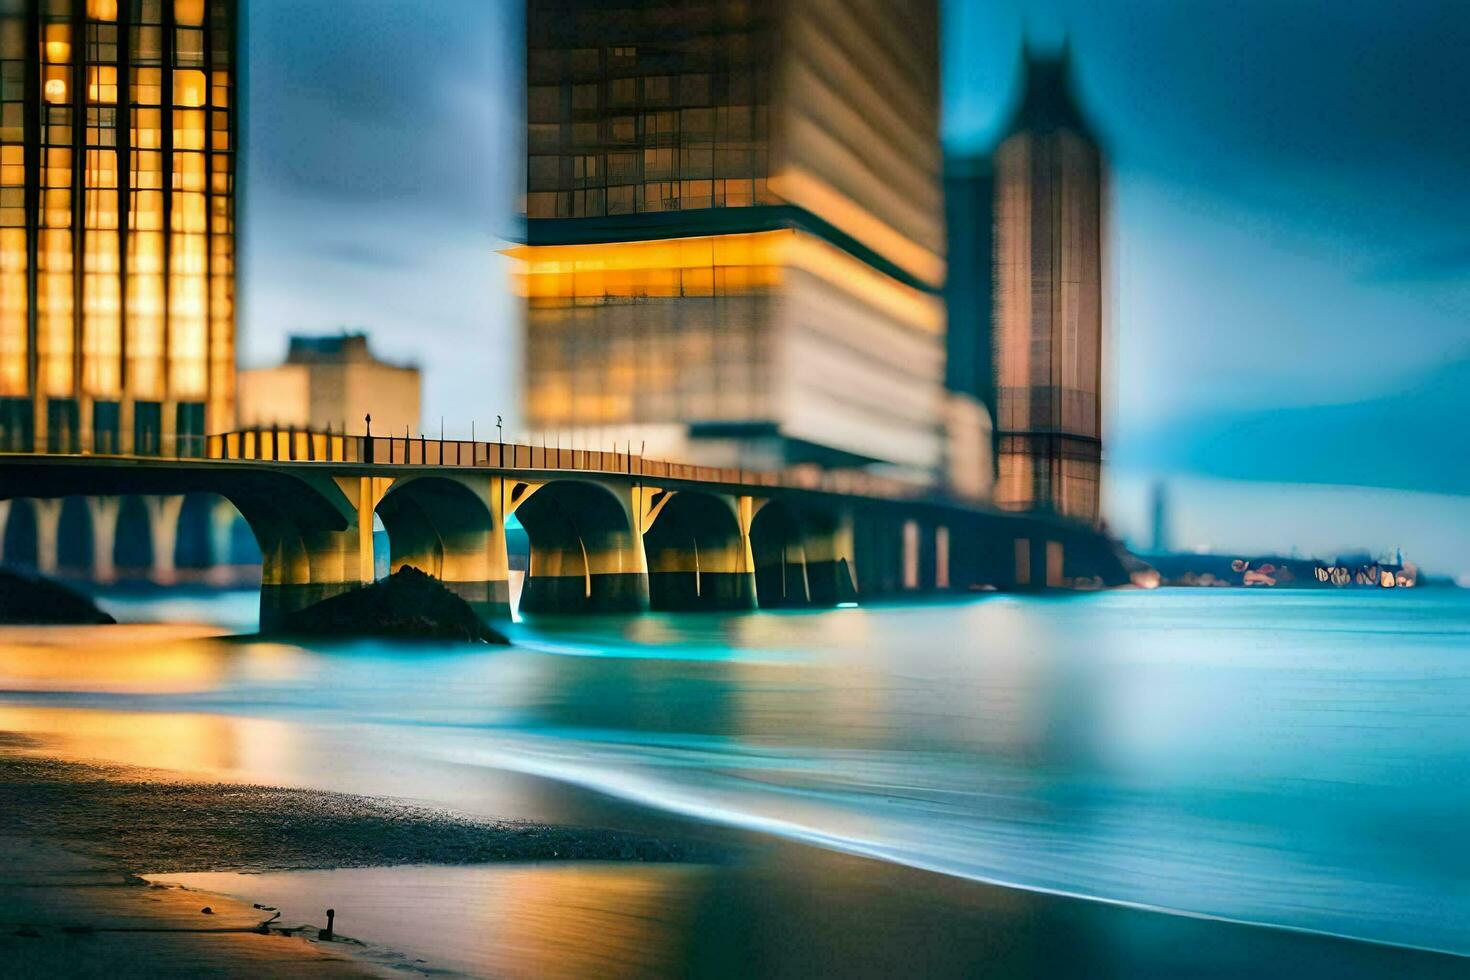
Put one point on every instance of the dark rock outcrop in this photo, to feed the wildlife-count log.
(28, 600)
(409, 604)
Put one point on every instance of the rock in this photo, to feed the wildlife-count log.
(30, 600)
(409, 604)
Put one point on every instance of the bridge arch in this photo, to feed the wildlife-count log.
(445, 526)
(585, 553)
(697, 556)
(74, 534)
(778, 546)
(18, 545)
(803, 555)
(132, 544)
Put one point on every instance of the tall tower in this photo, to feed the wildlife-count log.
(1047, 320)
(118, 129)
(735, 231)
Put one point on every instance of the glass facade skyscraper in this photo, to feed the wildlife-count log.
(1026, 316)
(734, 229)
(118, 130)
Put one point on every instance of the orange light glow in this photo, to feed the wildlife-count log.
(711, 265)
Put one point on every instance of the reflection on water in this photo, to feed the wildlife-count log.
(1297, 759)
(205, 745)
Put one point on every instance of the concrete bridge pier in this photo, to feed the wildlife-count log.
(104, 512)
(586, 545)
(163, 531)
(698, 550)
(285, 568)
(48, 530)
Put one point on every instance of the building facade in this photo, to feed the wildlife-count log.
(734, 243)
(1027, 321)
(118, 142)
(334, 382)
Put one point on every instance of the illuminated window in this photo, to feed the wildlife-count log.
(189, 88)
(189, 13)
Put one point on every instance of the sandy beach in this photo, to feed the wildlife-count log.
(75, 838)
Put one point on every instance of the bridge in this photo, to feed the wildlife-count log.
(608, 531)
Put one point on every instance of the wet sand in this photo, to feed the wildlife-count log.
(65, 915)
(75, 836)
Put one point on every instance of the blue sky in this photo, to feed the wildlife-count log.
(1290, 231)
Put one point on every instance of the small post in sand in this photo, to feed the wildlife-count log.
(327, 932)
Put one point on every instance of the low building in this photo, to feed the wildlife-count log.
(331, 381)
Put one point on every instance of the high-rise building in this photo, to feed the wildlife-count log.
(734, 245)
(332, 381)
(118, 131)
(1026, 319)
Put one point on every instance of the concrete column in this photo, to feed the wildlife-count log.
(1055, 565)
(163, 531)
(104, 511)
(285, 570)
(1022, 566)
(48, 523)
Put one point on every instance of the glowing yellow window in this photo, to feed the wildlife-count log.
(189, 129)
(189, 13)
(102, 84)
(190, 88)
(147, 86)
(102, 9)
(146, 129)
(58, 43)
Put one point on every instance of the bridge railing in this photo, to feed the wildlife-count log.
(304, 446)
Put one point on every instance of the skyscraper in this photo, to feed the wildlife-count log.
(734, 235)
(1026, 325)
(118, 127)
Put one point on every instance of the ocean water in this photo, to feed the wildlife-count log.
(1294, 759)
